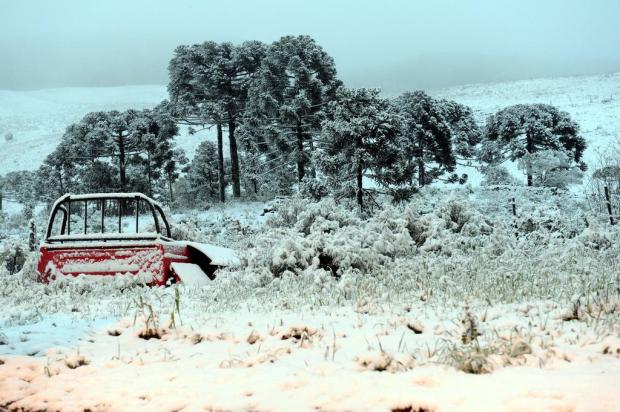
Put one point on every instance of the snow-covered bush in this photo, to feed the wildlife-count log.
(13, 256)
(551, 168)
(326, 236)
(313, 189)
(453, 244)
(496, 175)
(323, 217)
(596, 238)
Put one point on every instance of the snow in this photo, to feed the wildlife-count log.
(36, 338)
(92, 238)
(219, 256)
(284, 361)
(118, 195)
(450, 311)
(190, 274)
(100, 267)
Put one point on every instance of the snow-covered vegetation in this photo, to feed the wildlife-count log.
(415, 294)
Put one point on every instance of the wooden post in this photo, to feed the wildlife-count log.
(513, 207)
(32, 238)
(0, 201)
(609, 210)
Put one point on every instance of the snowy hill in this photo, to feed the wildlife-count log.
(592, 101)
(38, 119)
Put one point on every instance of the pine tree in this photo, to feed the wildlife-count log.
(209, 85)
(525, 129)
(465, 132)
(57, 175)
(177, 162)
(426, 136)
(296, 79)
(155, 130)
(359, 139)
(203, 173)
(135, 144)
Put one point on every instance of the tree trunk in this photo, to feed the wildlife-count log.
(220, 163)
(421, 170)
(234, 159)
(300, 154)
(609, 209)
(312, 167)
(360, 174)
(170, 188)
(360, 188)
(148, 172)
(529, 148)
(121, 162)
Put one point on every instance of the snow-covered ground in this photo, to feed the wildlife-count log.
(436, 306)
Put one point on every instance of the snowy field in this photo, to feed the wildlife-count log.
(448, 303)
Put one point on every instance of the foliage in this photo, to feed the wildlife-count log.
(427, 135)
(521, 130)
(295, 81)
(209, 84)
(203, 173)
(550, 168)
(112, 151)
(359, 138)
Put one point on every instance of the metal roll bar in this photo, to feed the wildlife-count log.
(63, 204)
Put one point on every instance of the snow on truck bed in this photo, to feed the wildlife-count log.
(220, 256)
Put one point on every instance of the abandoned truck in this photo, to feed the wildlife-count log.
(110, 234)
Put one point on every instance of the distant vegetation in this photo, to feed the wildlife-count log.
(291, 125)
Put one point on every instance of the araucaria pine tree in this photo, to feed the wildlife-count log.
(209, 86)
(426, 136)
(521, 130)
(359, 139)
(296, 78)
(203, 173)
(465, 132)
(112, 151)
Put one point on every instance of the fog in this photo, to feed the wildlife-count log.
(396, 45)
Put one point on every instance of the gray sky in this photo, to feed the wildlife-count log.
(397, 44)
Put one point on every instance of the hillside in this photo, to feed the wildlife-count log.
(38, 119)
(592, 101)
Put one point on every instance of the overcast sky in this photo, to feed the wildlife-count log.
(397, 44)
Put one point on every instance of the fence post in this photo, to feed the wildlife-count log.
(513, 203)
(32, 238)
(609, 210)
(0, 201)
